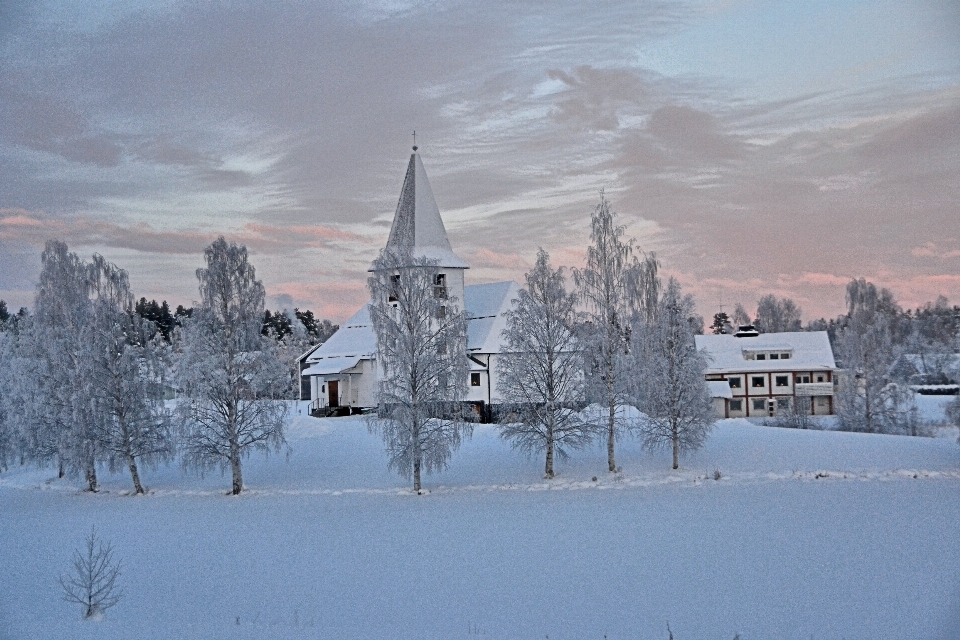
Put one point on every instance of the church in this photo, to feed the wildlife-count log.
(341, 373)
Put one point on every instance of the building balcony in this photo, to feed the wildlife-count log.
(806, 389)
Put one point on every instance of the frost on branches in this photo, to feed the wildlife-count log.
(670, 387)
(541, 368)
(128, 362)
(231, 377)
(423, 366)
(614, 286)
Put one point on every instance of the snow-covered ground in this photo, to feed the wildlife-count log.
(807, 534)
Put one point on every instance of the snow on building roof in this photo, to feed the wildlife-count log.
(485, 305)
(331, 364)
(719, 389)
(808, 350)
(417, 226)
(354, 338)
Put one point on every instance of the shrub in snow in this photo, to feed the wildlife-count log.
(93, 581)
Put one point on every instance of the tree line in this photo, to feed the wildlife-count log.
(85, 377)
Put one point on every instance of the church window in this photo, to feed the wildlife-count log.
(440, 286)
(394, 287)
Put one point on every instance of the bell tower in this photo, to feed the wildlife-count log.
(418, 231)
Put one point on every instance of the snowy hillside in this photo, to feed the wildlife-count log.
(806, 534)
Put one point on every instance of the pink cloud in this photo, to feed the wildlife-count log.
(36, 227)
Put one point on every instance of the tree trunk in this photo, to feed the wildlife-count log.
(548, 466)
(416, 475)
(60, 470)
(235, 468)
(132, 463)
(92, 485)
(611, 423)
(676, 448)
(611, 460)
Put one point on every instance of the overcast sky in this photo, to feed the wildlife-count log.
(756, 147)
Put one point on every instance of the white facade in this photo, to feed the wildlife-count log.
(769, 372)
(343, 371)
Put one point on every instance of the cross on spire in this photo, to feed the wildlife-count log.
(414, 139)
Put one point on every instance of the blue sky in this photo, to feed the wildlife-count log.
(757, 147)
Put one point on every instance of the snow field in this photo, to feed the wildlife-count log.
(328, 543)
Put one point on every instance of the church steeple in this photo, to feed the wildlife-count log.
(417, 228)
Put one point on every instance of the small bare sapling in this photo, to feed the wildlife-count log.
(93, 581)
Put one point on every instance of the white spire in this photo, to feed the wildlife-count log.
(417, 226)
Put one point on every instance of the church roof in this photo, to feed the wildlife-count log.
(417, 227)
(485, 305)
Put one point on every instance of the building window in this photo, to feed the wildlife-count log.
(784, 356)
(819, 378)
(803, 379)
(823, 401)
(783, 404)
(736, 405)
(441, 312)
(774, 356)
(475, 379)
(761, 356)
(783, 381)
(758, 381)
(759, 405)
(440, 286)
(734, 383)
(394, 287)
(323, 388)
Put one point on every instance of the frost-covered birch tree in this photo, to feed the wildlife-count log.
(865, 350)
(231, 378)
(128, 359)
(776, 315)
(9, 379)
(540, 368)
(423, 367)
(603, 289)
(59, 414)
(670, 386)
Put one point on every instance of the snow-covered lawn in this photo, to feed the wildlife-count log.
(806, 534)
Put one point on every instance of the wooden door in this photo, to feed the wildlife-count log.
(333, 388)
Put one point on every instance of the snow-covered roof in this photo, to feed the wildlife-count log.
(719, 389)
(808, 350)
(417, 226)
(332, 364)
(485, 305)
(354, 339)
